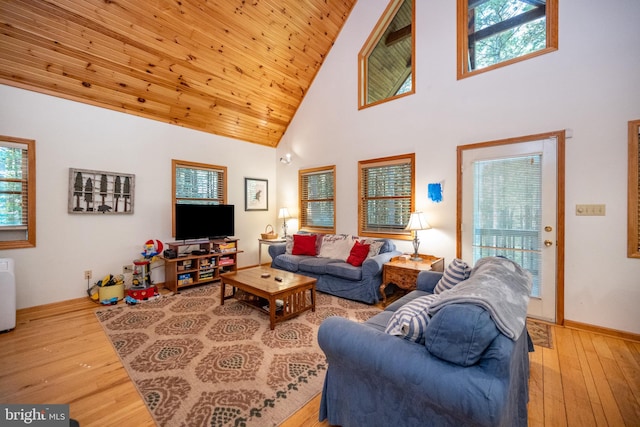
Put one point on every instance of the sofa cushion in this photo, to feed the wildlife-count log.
(315, 265)
(304, 244)
(358, 254)
(344, 270)
(410, 321)
(379, 321)
(456, 272)
(287, 262)
(394, 306)
(460, 333)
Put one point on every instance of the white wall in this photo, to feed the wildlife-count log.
(590, 85)
(73, 135)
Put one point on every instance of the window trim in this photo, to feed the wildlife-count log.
(633, 228)
(30, 242)
(372, 41)
(363, 164)
(312, 171)
(463, 40)
(175, 164)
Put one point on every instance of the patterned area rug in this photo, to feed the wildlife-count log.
(540, 333)
(196, 362)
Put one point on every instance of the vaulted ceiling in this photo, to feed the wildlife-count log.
(236, 68)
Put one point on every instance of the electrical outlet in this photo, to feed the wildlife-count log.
(87, 274)
(127, 269)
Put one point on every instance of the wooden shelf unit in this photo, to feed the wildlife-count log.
(220, 256)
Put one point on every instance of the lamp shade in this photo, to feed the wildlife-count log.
(283, 213)
(418, 221)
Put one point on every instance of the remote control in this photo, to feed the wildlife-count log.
(265, 275)
(278, 279)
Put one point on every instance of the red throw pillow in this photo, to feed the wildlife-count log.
(304, 244)
(358, 254)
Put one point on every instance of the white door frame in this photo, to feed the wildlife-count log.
(560, 157)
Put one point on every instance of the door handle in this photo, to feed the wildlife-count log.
(548, 243)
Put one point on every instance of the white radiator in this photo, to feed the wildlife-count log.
(7, 295)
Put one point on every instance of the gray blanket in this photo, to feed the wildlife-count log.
(498, 285)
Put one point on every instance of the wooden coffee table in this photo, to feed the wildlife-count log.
(282, 300)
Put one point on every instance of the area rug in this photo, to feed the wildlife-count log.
(540, 333)
(198, 363)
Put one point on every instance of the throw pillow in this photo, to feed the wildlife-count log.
(410, 321)
(374, 246)
(336, 246)
(460, 333)
(456, 272)
(289, 244)
(358, 254)
(304, 244)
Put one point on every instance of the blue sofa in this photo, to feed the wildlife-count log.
(377, 379)
(337, 277)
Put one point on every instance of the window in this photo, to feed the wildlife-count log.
(386, 196)
(17, 193)
(317, 189)
(386, 64)
(198, 183)
(495, 33)
(633, 238)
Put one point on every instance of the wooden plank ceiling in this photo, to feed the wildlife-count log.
(237, 68)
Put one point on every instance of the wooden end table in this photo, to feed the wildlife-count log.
(292, 291)
(403, 272)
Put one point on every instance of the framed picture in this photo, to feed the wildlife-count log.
(99, 192)
(256, 194)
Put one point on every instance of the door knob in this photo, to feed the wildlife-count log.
(548, 243)
(548, 228)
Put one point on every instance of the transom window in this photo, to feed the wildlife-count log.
(386, 62)
(317, 199)
(495, 33)
(17, 193)
(198, 183)
(386, 196)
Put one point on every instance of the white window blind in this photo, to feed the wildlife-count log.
(317, 199)
(507, 211)
(386, 195)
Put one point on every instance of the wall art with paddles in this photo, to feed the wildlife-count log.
(99, 192)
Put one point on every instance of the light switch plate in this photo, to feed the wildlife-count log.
(590, 210)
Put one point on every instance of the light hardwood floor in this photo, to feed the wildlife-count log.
(59, 354)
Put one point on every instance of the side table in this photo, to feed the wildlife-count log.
(403, 272)
(267, 242)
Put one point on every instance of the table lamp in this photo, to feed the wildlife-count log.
(284, 214)
(417, 222)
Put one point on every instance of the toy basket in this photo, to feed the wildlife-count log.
(269, 233)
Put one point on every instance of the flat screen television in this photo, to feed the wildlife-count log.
(195, 221)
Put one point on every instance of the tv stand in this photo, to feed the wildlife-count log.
(217, 256)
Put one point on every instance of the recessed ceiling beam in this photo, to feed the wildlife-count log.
(499, 27)
(398, 35)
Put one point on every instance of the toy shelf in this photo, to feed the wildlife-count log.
(203, 265)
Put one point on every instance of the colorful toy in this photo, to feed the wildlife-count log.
(152, 248)
(107, 291)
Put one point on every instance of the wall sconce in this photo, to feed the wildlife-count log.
(417, 222)
(284, 214)
(286, 159)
